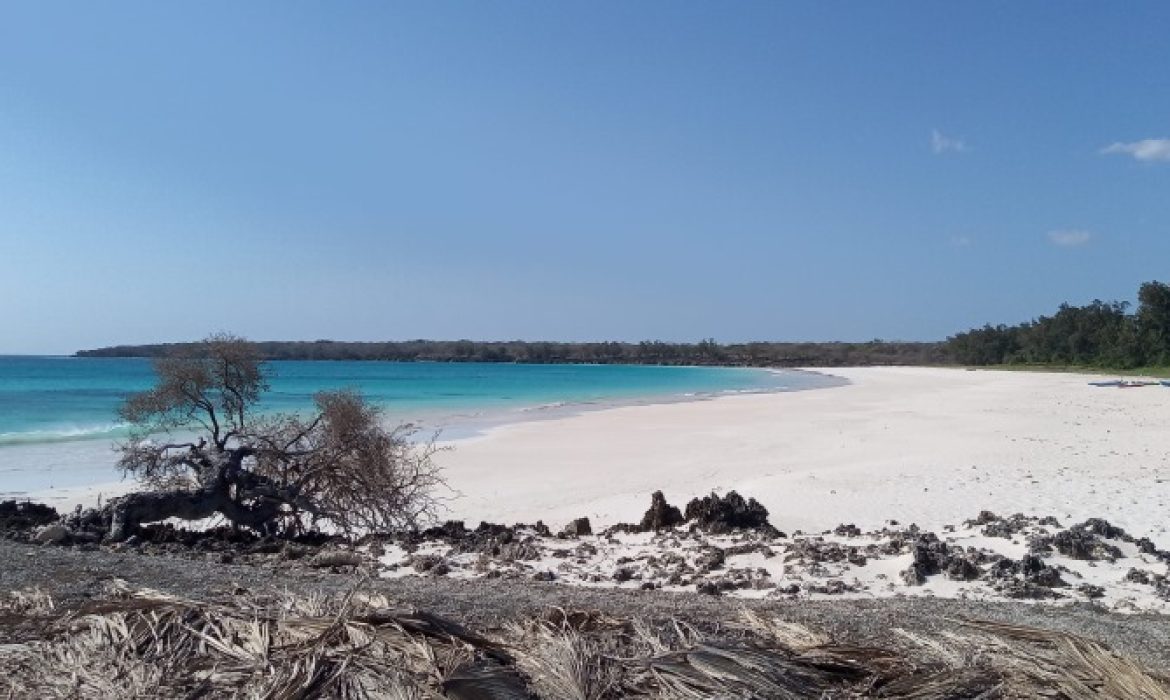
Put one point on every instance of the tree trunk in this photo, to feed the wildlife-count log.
(130, 511)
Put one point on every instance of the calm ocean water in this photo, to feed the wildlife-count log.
(58, 414)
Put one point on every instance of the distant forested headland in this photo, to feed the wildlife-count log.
(706, 352)
(1098, 335)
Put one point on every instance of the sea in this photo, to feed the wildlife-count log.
(59, 425)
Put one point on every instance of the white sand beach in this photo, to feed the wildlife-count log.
(918, 445)
(929, 446)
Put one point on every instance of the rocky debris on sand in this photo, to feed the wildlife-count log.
(720, 545)
(709, 559)
(661, 514)
(849, 530)
(1159, 582)
(579, 528)
(1007, 528)
(1076, 544)
(930, 556)
(429, 564)
(736, 580)
(623, 573)
(820, 551)
(1030, 577)
(832, 587)
(18, 518)
(500, 541)
(719, 515)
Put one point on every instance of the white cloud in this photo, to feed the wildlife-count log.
(961, 241)
(940, 143)
(1069, 238)
(1146, 149)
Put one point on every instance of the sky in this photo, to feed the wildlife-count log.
(574, 170)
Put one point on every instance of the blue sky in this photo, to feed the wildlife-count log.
(574, 171)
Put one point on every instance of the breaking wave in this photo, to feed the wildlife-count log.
(65, 434)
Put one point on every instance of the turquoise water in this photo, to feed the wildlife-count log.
(58, 414)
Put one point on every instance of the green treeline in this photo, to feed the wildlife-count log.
(1099, 334)
(707, 352)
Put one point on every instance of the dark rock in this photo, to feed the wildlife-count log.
(1006, 528)
(1159, 582)
(428, 563)
(450, 530)
(21, 516)
(544, 576)
(1090, 591)
(709, 559)
(1138, 576)
(578, 528)
(913, 575)
(719, 515)
(930, 554)
(1015, 588)
(585, 549)
(849, 530)
(623, 574)
(933, 556)
(817, 550)
(831, 587)
(1102, 528)
(708, 588)
(1146, 546)
(985, 517)
(1084, 544)
(750, 548)
(661, 514)
(960, 569)
(1035, 571)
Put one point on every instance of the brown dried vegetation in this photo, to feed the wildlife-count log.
(146, 645)
(275, 474)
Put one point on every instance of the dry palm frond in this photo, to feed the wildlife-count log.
(485, 681)
(1026, 661)
(134, 645)
(29, 601)
(787, 634)
(562, 663)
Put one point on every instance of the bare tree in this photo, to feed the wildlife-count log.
(275, 474)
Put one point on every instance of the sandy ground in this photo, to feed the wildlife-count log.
(923, 445)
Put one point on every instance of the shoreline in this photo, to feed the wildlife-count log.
(70, 457)
(922, 445)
